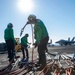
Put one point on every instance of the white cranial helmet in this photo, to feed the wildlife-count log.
(31, 17)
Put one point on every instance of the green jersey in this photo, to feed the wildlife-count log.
(9, 34)
(40, 31)
(24, 40)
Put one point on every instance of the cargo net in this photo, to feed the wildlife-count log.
(57, 64)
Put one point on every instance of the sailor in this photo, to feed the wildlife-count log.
(24, 45)
(41, 38)
(10, 41)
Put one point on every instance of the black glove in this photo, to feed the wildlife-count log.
(16, 44)
(46, 49)
(28, 23)
(35, 44)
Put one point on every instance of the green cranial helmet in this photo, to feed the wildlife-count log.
(31, 17)
(10, 25)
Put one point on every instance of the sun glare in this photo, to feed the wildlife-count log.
(25, 5)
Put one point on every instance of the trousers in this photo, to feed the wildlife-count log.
(42, 47)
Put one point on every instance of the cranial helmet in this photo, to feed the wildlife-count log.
(10, 25)
(26, 35)
(31, 17)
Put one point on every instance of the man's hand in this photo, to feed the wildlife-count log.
(29, 43)
(27, 22)
(35, 44)
(16, 43)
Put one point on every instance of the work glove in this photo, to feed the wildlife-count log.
(29, 43)
(16, 43)
(46, 50)
(28, 22)
(35, 44)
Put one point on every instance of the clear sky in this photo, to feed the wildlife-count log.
(57, 15)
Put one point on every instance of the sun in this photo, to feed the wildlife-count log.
(25, 5)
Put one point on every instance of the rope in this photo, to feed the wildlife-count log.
(32, 41)
(6, 66)
(49, 64)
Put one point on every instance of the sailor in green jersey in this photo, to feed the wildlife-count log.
(41, 37)
(10, 41)
(24, 44)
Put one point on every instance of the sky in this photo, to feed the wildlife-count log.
(57, 15)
